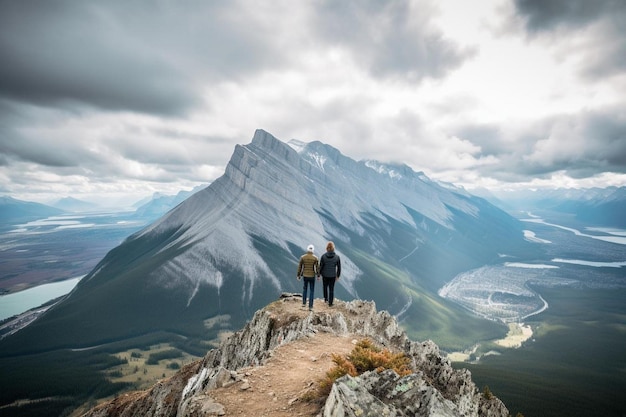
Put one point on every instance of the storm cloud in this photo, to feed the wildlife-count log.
(603, 47)
(391, 38)
(139, 96)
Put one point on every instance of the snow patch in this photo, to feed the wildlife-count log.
(297, 145)
(531, 237)
(591, 263)
(529, 266)
(383, 169)
(318, 160)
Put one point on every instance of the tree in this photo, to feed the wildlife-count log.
(487, 393)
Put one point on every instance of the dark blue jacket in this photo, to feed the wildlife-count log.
(330, 265)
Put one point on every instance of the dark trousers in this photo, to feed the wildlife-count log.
(329, 290)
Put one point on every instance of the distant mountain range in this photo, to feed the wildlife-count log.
(159, 204)
(597, 206)
(72, 204)
(15, 211)
(232, 247)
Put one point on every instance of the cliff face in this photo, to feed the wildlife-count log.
(433, 389)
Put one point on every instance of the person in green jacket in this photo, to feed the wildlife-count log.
(308, 268)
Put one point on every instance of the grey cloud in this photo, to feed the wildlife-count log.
(37, 144)
(488, 137)
(392, 38)
(605, 54)
(608, 55)
(591, 142)
(139, 56)
(56, 153)
(161, 57)
(170, 149)
(57, 52)
(581, 145)
(549, 14)
(607, 132)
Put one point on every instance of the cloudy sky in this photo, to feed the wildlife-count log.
(118, 99)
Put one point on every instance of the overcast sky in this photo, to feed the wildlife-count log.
(120, 99)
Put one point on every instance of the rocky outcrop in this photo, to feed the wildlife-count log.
(388, 394)
(433, 389)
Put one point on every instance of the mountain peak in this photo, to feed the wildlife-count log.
(283, 352)
(264, 139)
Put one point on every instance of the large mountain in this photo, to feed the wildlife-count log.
(231, 248)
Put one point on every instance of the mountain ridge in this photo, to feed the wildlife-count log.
(241, 361)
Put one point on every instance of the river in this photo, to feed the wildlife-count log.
(511, 291)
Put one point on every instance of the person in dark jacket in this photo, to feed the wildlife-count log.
(330, 269)
(308, 268)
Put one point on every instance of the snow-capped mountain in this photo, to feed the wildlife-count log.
(233, 247)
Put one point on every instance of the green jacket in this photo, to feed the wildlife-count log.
(308, 266)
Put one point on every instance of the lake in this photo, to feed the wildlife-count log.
(19, 302)
(58, 248)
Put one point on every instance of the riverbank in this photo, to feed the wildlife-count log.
(20, 302)
(518, 333)
(14, 324)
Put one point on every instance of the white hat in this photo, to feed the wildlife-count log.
(310, 248)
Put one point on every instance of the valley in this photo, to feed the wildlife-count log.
(538, 292)
(511, 291)
(452, 267)
(573, 363)
(144, 367)
(60, 247)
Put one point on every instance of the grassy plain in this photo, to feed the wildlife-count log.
(142, 368)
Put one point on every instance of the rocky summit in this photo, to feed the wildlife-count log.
(269, 366)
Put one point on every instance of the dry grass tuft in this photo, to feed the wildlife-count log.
(363, 358)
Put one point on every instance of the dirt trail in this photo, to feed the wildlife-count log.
(276, 388)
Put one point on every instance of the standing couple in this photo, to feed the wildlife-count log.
(328, 267)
